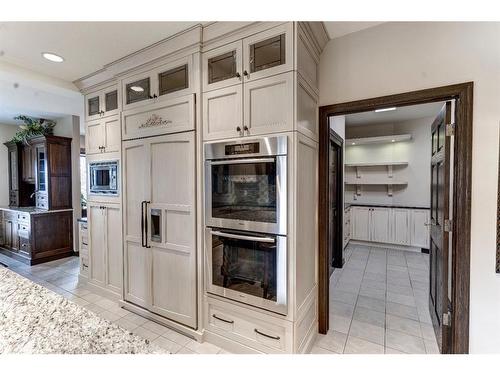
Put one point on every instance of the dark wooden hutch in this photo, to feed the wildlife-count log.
(38, 224)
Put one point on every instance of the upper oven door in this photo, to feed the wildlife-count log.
(247, 194)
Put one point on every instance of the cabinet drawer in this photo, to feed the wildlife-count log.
(24, 244)
(23, 216)
(257, 330)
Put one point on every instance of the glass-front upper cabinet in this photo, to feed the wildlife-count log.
(269, 52)
(222, 66)
(102, 103)
(41, 178)
(166, 81)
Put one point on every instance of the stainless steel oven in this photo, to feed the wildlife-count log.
(246, 185)
(248, 267)
(103, 178)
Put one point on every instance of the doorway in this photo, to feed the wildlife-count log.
(454, 321)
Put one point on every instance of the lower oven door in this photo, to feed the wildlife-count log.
(248, 267)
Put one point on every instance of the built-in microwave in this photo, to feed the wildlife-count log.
(246, 185)
(103, 177)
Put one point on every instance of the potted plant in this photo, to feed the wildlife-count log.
(33, 127)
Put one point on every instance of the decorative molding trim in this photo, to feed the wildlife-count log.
(153, 121)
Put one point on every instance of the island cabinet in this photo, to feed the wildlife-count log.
(35, 236)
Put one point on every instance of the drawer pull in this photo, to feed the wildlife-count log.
(86, 244)
(223, 320)
(266, 335)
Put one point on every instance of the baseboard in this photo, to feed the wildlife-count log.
(186, 331)
(102, 291)
(386, 245)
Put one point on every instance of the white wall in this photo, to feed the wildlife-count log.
(399, 57)
(417, 152)
(6, 134)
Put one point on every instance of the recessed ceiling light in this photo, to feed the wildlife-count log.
(393, 140)
(137, 88)
(52, 57)
(385, 109)
(353, 143)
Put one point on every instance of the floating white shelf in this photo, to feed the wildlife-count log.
(378, 140)
(389, 183)
(389, 165)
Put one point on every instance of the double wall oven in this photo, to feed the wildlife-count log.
(246, 221)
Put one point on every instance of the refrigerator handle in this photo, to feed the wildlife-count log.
(147, 224)
(143, 224)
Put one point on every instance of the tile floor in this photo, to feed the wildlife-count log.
(379, 304)
(61, 276)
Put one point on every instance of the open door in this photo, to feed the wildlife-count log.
(441, 226)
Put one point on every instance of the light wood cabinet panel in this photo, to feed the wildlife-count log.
(97, 228)
(223, 113)
(307, 109)
(113, 246)
(380, 224)
(419, 231)
(103, 135)
(268, 104)
(360, 221)
(102, 103)
(400, 226)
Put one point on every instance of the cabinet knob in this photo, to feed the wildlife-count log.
(245, 73)
(238, 75)
(245, 128)
(150, 97)
(155, 96)
(238, 129)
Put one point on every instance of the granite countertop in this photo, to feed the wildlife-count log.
(347, 205)
(31, 210)
(35, 320)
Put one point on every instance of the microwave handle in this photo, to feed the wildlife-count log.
(242, 237)
(242, 161)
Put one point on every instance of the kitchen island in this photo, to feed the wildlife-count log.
(32, 235)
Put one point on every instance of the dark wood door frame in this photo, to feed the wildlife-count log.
(339, 239)
(462, 177)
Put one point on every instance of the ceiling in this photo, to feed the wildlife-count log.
(85, 46)
(340, 28)
(400, 114)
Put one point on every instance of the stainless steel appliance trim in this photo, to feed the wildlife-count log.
(241, 161)
(243, 237)
(279, 306)
(273, 146)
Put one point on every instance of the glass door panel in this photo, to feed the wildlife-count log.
(267, 53)
(93, 106)
(244, 191)
(111, 100)
(222, 67)
(174, 80)
(42, 169)
(137, 91)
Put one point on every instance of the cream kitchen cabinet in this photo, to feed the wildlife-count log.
(370, 223)
(102, 103)
(258, 107)
(105, 246)
(223, 66)
(103, 135)
(166, 81)
(347, 226)
(419, 228)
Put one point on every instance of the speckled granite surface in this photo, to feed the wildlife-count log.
(36, 320)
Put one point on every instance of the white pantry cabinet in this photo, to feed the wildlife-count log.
(391, 225)
(103, 135)
(419, 228)
(105, 246)
(400, 223)
(223, 66)
(360, 221)
(223, 113)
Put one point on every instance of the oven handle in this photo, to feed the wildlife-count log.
(242, 237)
(242, 161)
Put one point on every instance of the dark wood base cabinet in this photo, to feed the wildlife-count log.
(34, 237)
